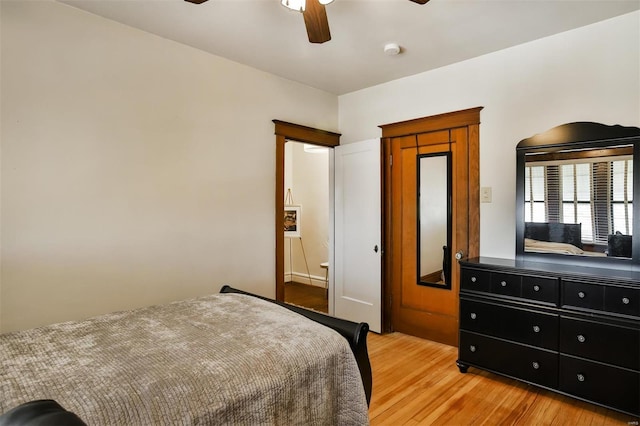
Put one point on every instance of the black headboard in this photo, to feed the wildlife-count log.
(570, 233)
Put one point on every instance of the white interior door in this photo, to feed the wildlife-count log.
(357, 256)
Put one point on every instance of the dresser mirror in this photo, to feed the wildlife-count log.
(434, 219)
(575, 195)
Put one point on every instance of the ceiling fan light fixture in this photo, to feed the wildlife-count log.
(297, 5)
(325, 2)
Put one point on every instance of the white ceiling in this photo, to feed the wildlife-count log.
(266, 36)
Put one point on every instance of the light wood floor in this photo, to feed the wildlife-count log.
(306, 295)
(416, 382)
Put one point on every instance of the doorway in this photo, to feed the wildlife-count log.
(422, 299)
(306, 248)
(289, 132)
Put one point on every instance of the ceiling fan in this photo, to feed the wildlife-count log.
(315, 16)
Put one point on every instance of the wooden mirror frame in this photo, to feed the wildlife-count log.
(294, 132)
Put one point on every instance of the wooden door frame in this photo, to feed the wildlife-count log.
(291, 132)
(469, 118)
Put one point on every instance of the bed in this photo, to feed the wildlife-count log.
(555, 232)
(536, 246)
(558, 238)
(227, 358)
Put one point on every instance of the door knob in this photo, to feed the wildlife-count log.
(459, 254)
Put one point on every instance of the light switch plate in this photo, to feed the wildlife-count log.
(485, 194)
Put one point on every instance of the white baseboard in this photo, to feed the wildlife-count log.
(305, 279)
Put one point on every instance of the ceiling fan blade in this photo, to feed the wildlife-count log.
(315, 19)
(196, 1)
(420, 1)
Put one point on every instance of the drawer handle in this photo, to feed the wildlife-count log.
(581, 294)
(503, 283)
(536, 288)
(472, 348)
(581, 377)
(473, 279)
(625, 300)
(536, 329)
(581, 338)
(535, 365)
(473, 315)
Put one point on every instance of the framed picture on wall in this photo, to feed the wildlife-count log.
(292, 221)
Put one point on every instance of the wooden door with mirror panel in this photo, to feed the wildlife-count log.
(431, 218)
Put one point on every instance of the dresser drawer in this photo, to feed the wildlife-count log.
(582, 295)
(622, 300)
(520, 325)
(542, 289)
(476, 280)
(601, 342)
(512, 359)
(506, 284)
(611, 386)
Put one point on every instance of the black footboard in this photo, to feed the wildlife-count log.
(355, 333)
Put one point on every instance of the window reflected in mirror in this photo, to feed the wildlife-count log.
(579, 202)
(434, 220)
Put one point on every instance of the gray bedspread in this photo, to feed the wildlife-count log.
(215, 360)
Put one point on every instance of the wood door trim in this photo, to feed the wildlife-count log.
(387, 253)
(449, 120)
(474, 189)
(299, 133)
(284, 132)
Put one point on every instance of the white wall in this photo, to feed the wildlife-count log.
(588, 74)
(135, 170)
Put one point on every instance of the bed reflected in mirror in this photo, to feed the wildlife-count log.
(580, 202)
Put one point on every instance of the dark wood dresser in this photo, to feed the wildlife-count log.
(571, 329)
